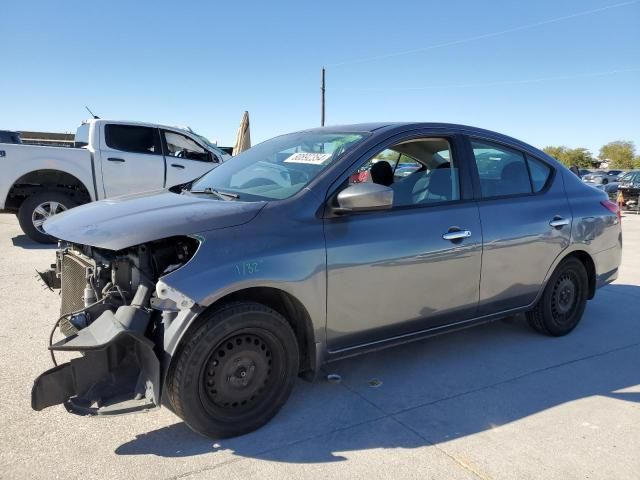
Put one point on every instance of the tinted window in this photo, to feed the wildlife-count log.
(540, 173)
(129, 138)
(502, 171)
(9, 137)
(419, 171)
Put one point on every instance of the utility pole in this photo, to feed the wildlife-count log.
(322, 89)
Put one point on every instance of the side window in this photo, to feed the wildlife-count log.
(502, 171)
(130, 138)
(420, 172)
(181, 146)
(540, 173)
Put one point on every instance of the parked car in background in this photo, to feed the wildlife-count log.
(615, 174)
(583, 172)
(7, 136)
(629, 187)
(111, 158)
(212, 298)
(602, 177)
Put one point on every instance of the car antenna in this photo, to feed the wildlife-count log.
(91, 113)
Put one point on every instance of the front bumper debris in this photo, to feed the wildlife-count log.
(119, 371)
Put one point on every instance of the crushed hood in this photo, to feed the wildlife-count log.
(130, 220)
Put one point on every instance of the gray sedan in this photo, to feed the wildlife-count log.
(211, 297)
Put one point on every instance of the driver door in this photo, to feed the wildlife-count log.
(185, 158)
(396, 272)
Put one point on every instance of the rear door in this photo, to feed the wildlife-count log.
(186, 159)
(131, 159)
(526, 223)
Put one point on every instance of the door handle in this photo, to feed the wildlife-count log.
(456, 235)
(114, 159)
(177, 165)
(558, 222)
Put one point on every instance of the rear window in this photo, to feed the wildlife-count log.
(132, 138)
(502, 170)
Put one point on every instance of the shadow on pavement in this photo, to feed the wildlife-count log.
(603, 359)
(25, 242)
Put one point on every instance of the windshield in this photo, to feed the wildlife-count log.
(278, 168)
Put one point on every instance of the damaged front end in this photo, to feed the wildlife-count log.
(114, 311)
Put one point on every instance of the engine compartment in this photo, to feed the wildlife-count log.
(111, 313)
(92, 280)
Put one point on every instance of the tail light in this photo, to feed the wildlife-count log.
(612, 207)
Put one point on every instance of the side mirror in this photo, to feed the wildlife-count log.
(364, 197)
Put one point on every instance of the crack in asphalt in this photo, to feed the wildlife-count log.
(392, 416)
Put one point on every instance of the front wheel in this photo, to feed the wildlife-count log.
(563, 301)
(235, 371)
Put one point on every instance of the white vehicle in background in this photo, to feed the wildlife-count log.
(111, 158)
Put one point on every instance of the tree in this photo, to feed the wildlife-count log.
(620, 154)
(580, 157)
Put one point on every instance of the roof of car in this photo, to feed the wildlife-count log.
(376, 126)
(139, 124)
(381, 127)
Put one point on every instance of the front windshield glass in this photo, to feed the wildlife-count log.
(278, 168)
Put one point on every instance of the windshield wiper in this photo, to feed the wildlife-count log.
(218, 193)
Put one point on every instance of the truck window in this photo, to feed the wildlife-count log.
(131, 138)
(181, 146)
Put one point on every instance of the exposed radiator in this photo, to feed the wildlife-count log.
(73, 278)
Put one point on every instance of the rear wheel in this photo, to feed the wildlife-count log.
(235, 371)
(564, 299)
(37, 208)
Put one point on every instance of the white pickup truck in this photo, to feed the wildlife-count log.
(111, 158)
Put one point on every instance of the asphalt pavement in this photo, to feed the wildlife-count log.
(495, 401)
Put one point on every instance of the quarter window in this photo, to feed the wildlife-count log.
(540, 173)
(130, 138)
(502, 171)
(420, 172)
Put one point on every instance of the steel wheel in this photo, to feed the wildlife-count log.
(565, 297)
(238, 372)
(45, 210)
(563, 301)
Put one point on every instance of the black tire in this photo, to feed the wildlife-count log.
(28, 210)
(235, 371)
(563, 301)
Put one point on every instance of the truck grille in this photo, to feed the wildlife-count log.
(73, 278)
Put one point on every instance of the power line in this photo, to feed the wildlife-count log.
(495, 84)
(486, 35)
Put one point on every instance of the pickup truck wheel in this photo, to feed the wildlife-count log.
(235, 371)
(563, 301)
(36, 208)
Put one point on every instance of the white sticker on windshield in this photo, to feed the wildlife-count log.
(308, 158)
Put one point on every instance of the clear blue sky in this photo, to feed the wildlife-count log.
(203, 63)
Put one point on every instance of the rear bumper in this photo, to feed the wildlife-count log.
(607, 264)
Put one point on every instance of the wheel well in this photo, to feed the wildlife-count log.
(40, 180)
(290, 308)
(587, 261)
